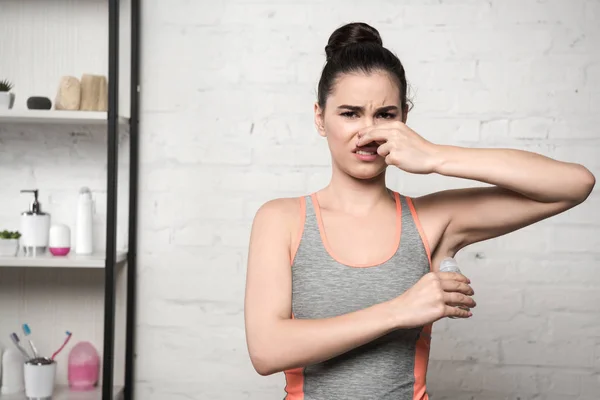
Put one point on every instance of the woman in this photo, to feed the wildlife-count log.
(343, 285)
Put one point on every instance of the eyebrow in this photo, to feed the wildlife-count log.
(361, 109)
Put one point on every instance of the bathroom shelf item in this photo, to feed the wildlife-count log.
(59, 117)
(63, 393)
(120, 28)
(97, 260)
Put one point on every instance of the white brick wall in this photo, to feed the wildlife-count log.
(228, 90)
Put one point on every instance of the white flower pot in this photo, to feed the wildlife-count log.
(7, 100)
(9, 247)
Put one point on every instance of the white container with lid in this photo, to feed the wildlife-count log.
(60, 240)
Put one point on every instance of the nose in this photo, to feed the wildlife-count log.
(367, 121)
(370, 120)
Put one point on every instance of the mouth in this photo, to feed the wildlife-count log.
(366, 152)
(369, 149)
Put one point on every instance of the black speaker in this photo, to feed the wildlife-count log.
(39, 103)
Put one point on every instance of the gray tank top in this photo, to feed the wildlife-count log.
(391, 367)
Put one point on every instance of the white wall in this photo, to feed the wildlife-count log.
(228, 90)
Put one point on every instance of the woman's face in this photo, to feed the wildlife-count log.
(358, 101)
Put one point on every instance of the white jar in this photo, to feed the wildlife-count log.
(60, 240)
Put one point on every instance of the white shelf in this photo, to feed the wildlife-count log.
(64, 393)
(70, 261)
(58, 117)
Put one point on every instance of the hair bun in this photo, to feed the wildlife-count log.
(353, 33)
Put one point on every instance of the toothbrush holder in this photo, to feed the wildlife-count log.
(40, 376)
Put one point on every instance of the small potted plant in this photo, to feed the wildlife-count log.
(9, 243)
(7, 98)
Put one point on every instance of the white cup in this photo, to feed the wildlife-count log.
(40, 375)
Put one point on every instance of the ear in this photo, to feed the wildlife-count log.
(405, 115)
(319, 120)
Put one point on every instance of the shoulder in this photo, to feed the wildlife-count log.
(285, 207)
(284, 214)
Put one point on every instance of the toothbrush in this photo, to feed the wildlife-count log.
(63, 345)
(27, 332)
(15, 340)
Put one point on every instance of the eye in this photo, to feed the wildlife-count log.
(387, 115)
(348, 114)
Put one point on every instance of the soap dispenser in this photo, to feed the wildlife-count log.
(35, 227)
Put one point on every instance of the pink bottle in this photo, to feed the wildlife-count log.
(84, 367)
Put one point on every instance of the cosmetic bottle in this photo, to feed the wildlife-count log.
(12, 372)
(84, 228)
(35, 227)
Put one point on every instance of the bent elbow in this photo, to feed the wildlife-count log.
(262, 363)
(591, 183)
(264, 370)
(588, 184)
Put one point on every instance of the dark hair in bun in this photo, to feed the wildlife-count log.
(357, 47)
(351, 34)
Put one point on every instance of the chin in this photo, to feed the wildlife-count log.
(366, 172)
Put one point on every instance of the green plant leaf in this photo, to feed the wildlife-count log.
(6, 85)
(10, 234)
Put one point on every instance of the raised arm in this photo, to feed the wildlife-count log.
(277, 342)
(528, 188)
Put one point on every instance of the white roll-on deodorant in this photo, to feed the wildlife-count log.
(449, 264)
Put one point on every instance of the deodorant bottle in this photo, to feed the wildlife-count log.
(449, 264)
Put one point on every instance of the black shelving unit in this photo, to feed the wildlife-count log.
(113, 260)
(112, 193)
